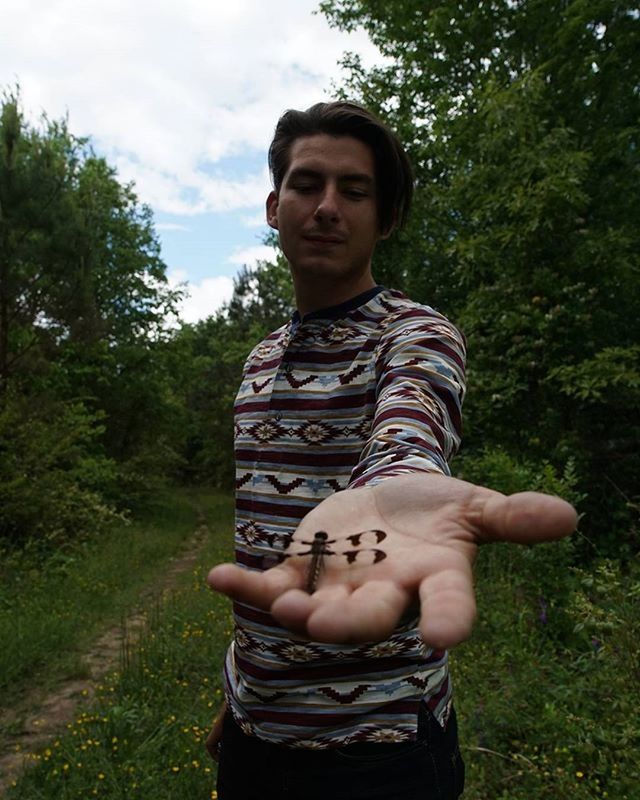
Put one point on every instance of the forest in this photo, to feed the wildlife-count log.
(522, 121)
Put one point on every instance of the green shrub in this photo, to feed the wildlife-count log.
(53, 473)
(496, 468)
(546, 687)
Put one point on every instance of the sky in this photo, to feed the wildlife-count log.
(182, 99)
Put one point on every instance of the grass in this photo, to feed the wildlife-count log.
(547, 686)
(51, 609)
(143, 736)
(546, 689)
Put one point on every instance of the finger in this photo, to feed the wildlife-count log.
(292, 609)
(526, 517)
(369, 613)
(447, 607)
(214, 738)
(258, 589)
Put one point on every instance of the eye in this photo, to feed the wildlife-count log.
(356, 193)
(304, 188)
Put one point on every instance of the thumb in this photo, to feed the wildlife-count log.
(526, 518)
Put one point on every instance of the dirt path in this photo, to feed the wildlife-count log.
(49, 713)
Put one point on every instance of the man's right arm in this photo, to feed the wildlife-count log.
(215, 734)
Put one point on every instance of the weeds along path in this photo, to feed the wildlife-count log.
(40, 716)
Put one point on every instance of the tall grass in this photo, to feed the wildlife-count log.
(51, 607)
(143, 735)
(547, 686)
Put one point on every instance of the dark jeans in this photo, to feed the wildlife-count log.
(427, 769)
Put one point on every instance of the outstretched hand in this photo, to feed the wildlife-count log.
(433, 527)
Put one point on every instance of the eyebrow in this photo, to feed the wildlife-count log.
(351, 177)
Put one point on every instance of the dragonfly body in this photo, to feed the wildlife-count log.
(319, 549)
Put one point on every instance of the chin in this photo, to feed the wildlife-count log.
(320, 268)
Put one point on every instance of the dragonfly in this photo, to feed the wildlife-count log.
(321, 547)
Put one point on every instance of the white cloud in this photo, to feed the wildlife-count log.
(220, 194)
(194, 192)
(250, 255)
(170, 226)
(202, 299)
(169, 89)
(257, 220)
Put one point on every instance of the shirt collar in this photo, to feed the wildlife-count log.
(338, 311)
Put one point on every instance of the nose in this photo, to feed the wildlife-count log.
(327, 208)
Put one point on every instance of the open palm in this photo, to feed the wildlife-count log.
(433, 526)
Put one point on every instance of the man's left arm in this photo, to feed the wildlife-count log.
(417, 423)
(432, 523)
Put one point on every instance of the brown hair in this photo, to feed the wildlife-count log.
(394, 175)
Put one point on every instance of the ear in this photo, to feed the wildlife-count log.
(272, 210)
(386, 234)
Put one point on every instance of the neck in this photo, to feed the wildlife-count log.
(314, 297)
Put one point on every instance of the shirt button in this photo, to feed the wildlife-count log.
(278, 417)
(288, 367)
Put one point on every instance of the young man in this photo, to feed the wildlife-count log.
(337, 680)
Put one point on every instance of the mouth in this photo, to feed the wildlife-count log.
(317, 238)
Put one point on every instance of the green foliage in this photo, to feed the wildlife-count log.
(498, 470)
(612, 376)
(215, 350)
(80, 262)
(53, 474)
(88, 420)
(544, 687)
(52, 600)
(522, 123)
(604, 392)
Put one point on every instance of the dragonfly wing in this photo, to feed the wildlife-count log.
(319, 550)
(366, 554)
(374, 533)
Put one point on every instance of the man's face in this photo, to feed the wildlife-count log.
(326, 211)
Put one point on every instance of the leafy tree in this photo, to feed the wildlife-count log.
(214, 351)
(83, 298)
(522, 123)
(79, 258)
(263, 296)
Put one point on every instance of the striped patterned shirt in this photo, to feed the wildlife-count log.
(344, 398)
